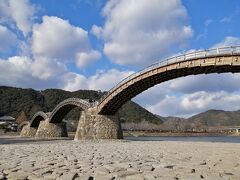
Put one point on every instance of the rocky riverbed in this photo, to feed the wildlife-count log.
(117, 159)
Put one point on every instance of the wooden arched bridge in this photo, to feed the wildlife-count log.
(61, 110)
(99, 120)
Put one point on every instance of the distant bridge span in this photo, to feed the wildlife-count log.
(64, 107)
(37, 117)
(219, 60)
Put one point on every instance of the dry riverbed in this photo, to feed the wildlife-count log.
(117, 159)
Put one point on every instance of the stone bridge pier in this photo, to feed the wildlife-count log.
(94, 126)
(47, 129)
(90, 126)
(28, 131)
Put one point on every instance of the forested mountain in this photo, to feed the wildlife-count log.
(24, 103)
(210, 118)
(217, 118)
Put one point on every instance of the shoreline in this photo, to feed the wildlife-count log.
(177, 134)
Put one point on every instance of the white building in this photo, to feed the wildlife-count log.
(7, 120)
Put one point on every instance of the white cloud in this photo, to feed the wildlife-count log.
(191, 104)
(211, 82)
(138, 32)
(105, 80)
(84, 59)
(228, 41)
(168, 106)
(15, 71)
(190, 95)
(7, 39)
(22, 71)
(57, 39)
(74, 81)
(44, 68)
(202, 101)
(96, 30)
(20, 12)
(102, 80)
(153, 95)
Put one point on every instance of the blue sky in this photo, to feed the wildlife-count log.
(94, 44)
(213, 20)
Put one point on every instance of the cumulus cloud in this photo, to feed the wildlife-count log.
(20, 12)
(153, 95)
(15, 71)
(165, 98)
(74, 81)
(44, 68)
(105, 80)
(211, 82)
(58, 39)
(139, 32)
(7, 38)
(102, 80)
(22, 71)
(191, 104)
(84, 59)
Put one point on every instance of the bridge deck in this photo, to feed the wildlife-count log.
(217, 60)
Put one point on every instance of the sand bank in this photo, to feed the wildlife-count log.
(67, 159)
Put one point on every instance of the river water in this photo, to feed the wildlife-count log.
(231, 139)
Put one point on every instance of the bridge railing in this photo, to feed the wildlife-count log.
(231, 50)
(74, 100)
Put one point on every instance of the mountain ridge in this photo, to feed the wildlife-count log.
(26, 102)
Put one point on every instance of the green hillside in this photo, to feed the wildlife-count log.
(16, 101)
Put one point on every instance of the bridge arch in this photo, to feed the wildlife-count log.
(64, 107)
(37, 117)
(219, 60)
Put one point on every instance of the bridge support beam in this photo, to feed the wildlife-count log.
(51, 130)
(94, 126)
(28, 131)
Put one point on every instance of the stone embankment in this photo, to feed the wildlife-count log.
(118, 159)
